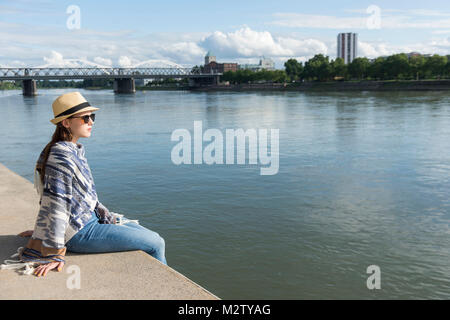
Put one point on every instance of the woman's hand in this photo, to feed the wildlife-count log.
(105, 215)
(44, 268)
(27, 233)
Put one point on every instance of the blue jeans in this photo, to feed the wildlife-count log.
(95, 238)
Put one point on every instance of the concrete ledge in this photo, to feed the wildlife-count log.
(119, 275)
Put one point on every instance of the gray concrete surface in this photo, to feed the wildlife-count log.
(118, 275)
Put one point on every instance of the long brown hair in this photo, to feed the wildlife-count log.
(61, 134)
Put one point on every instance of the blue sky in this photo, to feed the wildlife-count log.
(141, 33)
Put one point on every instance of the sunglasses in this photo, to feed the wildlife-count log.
(86, 117)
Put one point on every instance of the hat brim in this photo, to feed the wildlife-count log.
(59, 119)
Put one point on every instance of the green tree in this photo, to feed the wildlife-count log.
(397, 66)
(196, 69)
(7, 85)
(416, 64)
(103, 83)
(377, 69)
(318, 67)
(294, 69)
(359, 68)
(447, 69)
(338, 68)
(248, 76)
(435, 65)
(279, 76)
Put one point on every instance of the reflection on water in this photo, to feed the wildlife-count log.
(363, 180)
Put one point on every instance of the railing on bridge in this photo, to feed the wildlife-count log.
(123, 77)
(60, 73)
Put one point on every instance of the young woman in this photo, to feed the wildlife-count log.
(71, 217)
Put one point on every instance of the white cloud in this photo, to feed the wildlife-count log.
(390, 19)
(14, 64)
(248, 43)
(124, 62)
(304, 47)
(441, 45)
(369, 50)
(427, 12)
(56, 59)
(376, 49)
(24, 45)
(440, 31)
(300, 20)
(179, 51)
(103, 61)
(244, 42)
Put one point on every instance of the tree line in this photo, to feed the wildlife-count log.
(48, 84)
(394, 67)
(249, 76)
(321, 68)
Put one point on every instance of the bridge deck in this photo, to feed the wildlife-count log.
(100, 73)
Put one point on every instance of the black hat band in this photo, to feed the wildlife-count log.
(74, 109)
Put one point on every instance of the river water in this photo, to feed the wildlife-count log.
(363, 180)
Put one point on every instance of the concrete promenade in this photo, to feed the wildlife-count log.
(119, 275)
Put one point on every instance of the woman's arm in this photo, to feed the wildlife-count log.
(56, 202)
(47, 244)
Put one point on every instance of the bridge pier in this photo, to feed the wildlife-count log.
(124, 85)
(29, 87)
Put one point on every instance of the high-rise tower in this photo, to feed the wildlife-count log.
(347, 46)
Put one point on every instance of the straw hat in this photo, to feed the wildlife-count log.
(69, 104)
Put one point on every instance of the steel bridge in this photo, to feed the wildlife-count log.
(123, 77)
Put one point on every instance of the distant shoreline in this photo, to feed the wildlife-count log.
(363, 85)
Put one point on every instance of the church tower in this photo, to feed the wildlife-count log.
(209, 58)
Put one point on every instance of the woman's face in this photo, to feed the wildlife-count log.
(78, 127)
